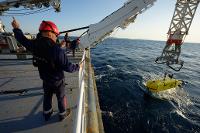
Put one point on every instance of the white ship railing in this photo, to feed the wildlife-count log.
(80, 116)
(88, 115)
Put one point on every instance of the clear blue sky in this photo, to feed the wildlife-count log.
(153, 24)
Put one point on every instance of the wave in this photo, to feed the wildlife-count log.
(98, 77)
(111, 67)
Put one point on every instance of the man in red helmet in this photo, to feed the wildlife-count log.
(51, 61)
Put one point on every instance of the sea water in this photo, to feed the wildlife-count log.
(120, 63)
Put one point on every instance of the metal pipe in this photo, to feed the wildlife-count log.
(82, 28)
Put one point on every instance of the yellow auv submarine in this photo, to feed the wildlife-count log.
(162, 84)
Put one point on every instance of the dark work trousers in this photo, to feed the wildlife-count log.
(73, 52)
(59, 89)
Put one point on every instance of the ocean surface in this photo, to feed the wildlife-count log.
(120, 63)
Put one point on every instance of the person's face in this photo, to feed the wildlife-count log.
(53, 36)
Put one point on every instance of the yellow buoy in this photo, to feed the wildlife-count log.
(162, 84)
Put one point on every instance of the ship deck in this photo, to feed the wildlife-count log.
(22, 112)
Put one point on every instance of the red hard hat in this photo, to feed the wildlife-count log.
(49, 26)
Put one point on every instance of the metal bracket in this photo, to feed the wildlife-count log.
(170, 57)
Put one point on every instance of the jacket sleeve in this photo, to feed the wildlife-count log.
(28, 44)
(63, 61)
